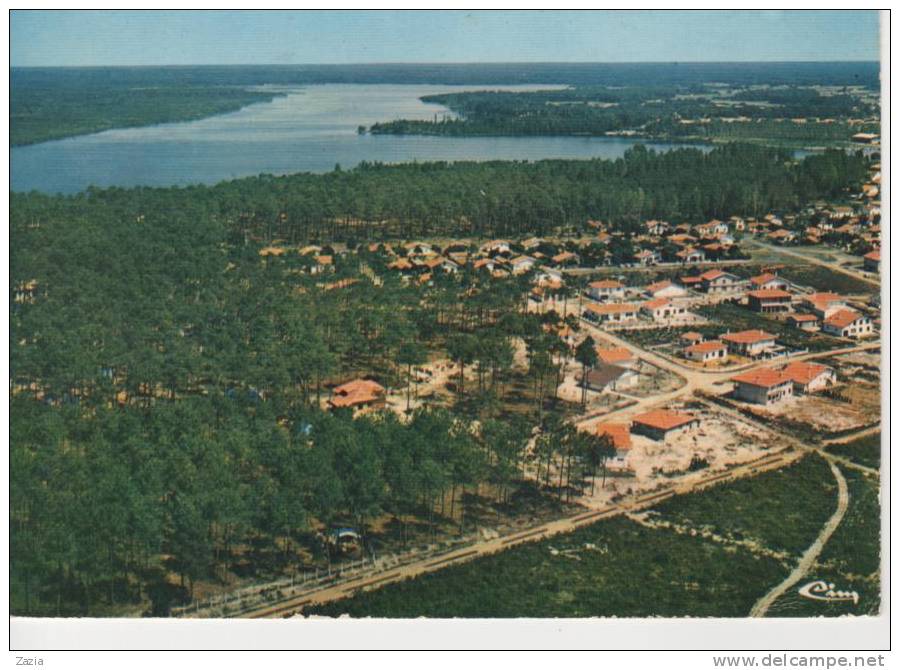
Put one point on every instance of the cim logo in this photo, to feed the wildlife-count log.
(820, 590)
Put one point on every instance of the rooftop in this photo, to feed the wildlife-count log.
(748, 336)
(762, 377)
(664, 419)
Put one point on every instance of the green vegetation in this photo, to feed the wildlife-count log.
(851, 560)
(782, 510)
(863, 450)
(667, 573)
(41, 114)
(823, 279)
(686, 113)
(735, 318)
(613, 568)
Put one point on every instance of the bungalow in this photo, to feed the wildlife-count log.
(402, 265)
(691, 282)
(603, 377)
(647, 257)
(532, 243)
(613, 312)
(807, 322)
(664, 289)
(717, 281)
(495, 247)
(711, 229)
(872, 261)
(660, 309)
(749, 342)
(691, 337)
(691, 255)
(620, 436)
(769, 301)
(606, 289)
(660, 424)
(616, 356)
(809, 377)
(655, 227)
(522, 264)
(565, 258)
(682, 239)
(782, 236)
(767, 280)
(358, 394)
(763, 386)
(824, 304)
(706, 352)
(848, 323)
(484, 264)
(321, 264)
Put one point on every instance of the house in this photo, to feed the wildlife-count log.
(809, 377)
(402, 265)
(872, 261)
(647, 257)
(358, 394)
(763, 386)
(691, 282)
(782, 236)
(691, 255)
(767, 280)
(616, 356)
(611, 312)
(664, 289)
(707, 352)
(495, 247)
(660, 424)
(660, 309)
(847, 323)
(807, 322)
(682, 239)
(769, 301)
(865, 138)
(655, 227)
(717, 281)
(691, 337)
(824, 304)
(484, 264)
(532, 243)
(620, 436)
(565, 258)
(603, 377)
(418, 249)
(522, 264)
(606, 289)
(749, 342)
(322, 263)
(711, 229)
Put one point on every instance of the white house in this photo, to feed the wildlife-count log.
(606, 289)
(848, 323)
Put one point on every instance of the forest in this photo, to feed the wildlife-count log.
(165, 378)
(648, 111)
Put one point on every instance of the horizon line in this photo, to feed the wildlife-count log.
(453, 63)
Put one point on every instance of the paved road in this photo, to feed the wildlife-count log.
(815, 261)
(812, 552)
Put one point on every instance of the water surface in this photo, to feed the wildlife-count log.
(311, 129)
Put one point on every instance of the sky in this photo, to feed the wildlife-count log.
(169, 37)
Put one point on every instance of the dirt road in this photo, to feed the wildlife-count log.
(812, 552)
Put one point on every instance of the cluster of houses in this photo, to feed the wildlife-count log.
(748, 343)
(767, 386)
(657, 424)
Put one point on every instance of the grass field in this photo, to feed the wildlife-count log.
(864, 450)
(850, 560)
(622, 568)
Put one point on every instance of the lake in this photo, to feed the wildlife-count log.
(310, 129)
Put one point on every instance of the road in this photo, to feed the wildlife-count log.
(815, 261)
(812, 552)
(295, 604)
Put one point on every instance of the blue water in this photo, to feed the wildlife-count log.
(309, 130)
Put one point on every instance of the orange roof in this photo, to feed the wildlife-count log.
(764, 278)
(613, 308)
(324, 260)
(356, 392)
(606, 283)
(658, 286)
(664, 419)
(691, 335)
(768, 293)
(616, 355)
(619, 433)
(690, 280)
(656, 303)
(481, 263)
(709, 275)
(401, 264)
(271, 251)
(803, 317)
(762, 377)
(748, 337)
(843, 318)
(703, 347)
(564, 256)
(803, 373)
(873, 255)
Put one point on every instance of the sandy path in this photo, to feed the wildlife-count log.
(853, 436)
(812, 553)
